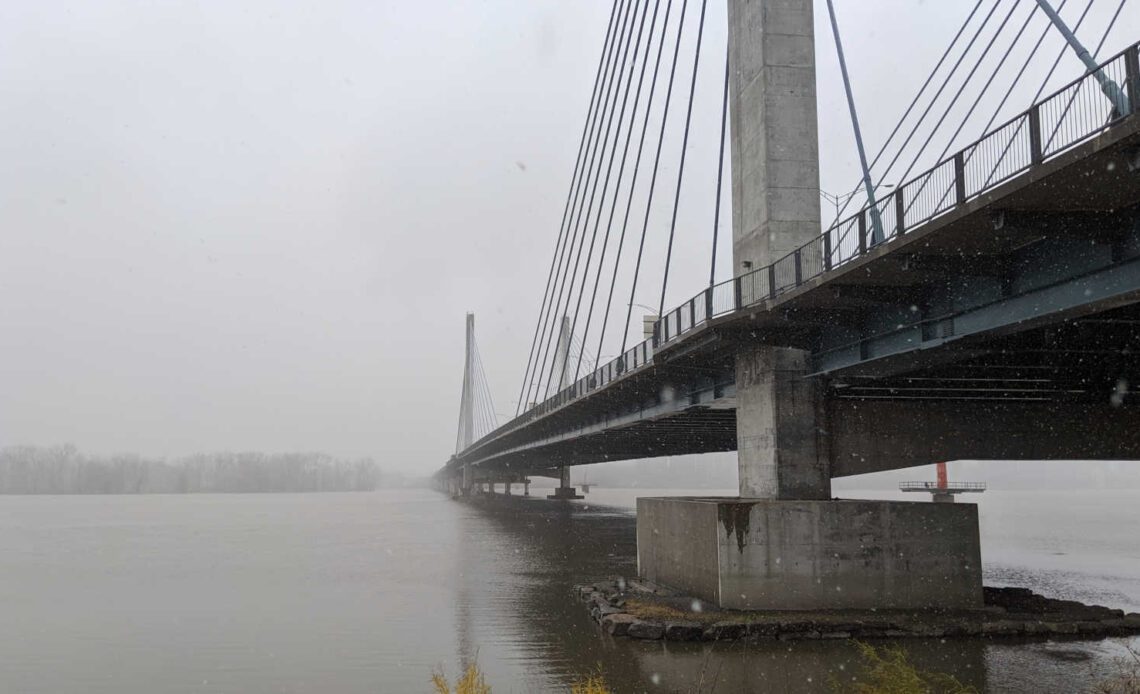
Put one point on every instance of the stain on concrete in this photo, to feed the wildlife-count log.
(735, 519)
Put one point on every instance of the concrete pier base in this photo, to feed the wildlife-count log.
(812, 555)
(564, 491)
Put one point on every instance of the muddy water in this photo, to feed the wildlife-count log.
(370, 592)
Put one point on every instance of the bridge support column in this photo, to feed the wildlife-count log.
(943, 498)
(780, 454)
(564, 490)
(784, 544)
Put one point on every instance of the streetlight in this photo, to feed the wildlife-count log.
(647, 321)
(844, 198)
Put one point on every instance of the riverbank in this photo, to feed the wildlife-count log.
(640, 610)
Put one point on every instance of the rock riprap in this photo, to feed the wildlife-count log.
(640, 610)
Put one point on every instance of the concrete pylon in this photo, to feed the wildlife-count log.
(467, 406)
(775, 209)
(564, 354)
(565, 492)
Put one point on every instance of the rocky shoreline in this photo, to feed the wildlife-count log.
(639, 610)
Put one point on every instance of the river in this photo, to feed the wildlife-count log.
(369, 592)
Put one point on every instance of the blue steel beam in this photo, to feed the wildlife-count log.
(1085, 291)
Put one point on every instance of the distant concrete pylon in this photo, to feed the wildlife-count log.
(467, 400)
(564, 354)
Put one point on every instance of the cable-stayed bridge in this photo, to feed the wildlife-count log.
(982, 302)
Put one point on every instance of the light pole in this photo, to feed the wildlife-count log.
(646, 332)
(836, 199)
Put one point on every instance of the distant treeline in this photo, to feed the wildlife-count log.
(64, 470)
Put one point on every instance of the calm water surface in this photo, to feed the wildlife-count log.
(370, 592)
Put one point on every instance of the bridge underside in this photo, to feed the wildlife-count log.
(1061, 391)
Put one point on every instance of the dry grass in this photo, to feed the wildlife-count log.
(471, 682)
(652, 610)
(1127, 682)
(474, 682)
(647, 609)
(887, 670)
(1122, 684)
(592, 684)
(661, 612)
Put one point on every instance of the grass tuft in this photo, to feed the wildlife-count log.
(887, 670)
(471, 682)
(592, 684)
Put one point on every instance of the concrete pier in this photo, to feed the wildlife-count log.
(810, 555)
(781, 448)
(564, 491)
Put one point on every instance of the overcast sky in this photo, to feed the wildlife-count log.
(258, 225)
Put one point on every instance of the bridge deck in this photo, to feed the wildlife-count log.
(1057, 236)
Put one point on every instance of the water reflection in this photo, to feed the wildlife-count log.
(562, 545)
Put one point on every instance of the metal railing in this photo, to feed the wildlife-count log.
(1069, 116)
(948, 487)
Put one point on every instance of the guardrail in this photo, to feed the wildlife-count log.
(1067, 117)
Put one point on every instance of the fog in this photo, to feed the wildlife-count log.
(258, 225)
